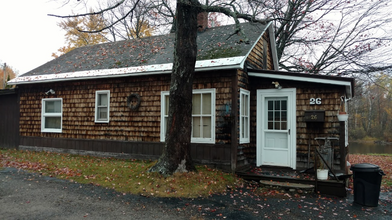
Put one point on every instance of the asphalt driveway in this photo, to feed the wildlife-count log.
(25, 195)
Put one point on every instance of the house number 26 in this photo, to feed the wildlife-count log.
(315, 101)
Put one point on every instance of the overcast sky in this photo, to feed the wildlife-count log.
(28, 36)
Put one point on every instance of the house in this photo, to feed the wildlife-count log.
(113, 98)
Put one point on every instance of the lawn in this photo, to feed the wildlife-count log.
(126, 176)
(132, 176)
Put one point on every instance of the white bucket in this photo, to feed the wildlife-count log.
(322, 174)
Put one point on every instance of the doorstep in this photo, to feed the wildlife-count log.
(288, 185)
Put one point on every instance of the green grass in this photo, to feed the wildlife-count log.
(126, 176)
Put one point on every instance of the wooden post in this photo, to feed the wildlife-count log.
(234, 125)
(342, 148)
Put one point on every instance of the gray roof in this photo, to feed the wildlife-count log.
(213, 43)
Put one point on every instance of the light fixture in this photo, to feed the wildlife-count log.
(277, 85)
(50, 91)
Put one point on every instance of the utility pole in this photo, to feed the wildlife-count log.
(5, 75)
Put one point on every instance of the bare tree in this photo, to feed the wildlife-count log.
(329, 36)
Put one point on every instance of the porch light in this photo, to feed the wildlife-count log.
(50, 91)
(277, 85)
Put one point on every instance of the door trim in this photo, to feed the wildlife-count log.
(262, 94)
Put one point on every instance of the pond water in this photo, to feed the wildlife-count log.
(370, 148)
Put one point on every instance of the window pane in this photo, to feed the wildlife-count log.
(284, 105)
(53, 122)
(166, 105)
(245, 107)
(277, 105)
(102, 113)
(165, 124)
(284, 115)
(270, 125)
(246, 129)
(277, 116)
(270, 116)
(277, 125)
(270, 105)
(206, 127)
(102, 99)
(206, 104)
(242, 128)
(53, 106)
(284, 125)
(196, 104)
(196, 127)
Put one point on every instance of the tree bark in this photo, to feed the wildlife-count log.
(176, 154)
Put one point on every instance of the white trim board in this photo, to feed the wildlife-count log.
(202, 65)
(306, 79)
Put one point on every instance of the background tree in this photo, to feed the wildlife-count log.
(9, 74)
(128, 20)
(74, 38)
(371, 109)
(336, 37)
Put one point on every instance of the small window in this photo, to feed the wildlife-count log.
(102, 106)
(52, 115)
(203, 115)
(244, 116)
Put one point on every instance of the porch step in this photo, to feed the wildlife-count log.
(288, 185)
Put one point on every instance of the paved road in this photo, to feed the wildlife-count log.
(30, 196)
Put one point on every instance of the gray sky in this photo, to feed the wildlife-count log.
(28, 36)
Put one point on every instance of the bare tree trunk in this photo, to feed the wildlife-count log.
(176, 154)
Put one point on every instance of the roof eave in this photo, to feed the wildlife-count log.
(203, 65)
(343, 82)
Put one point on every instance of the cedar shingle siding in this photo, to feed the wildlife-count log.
(125, 124)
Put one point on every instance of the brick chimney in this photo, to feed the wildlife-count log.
(202, 21)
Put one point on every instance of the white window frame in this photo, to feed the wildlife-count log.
(97, 93)
(244, 116)
(164, 116)
(58, 114)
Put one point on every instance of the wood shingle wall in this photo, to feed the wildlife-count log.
(261, 55)
(306, 131)
(127, 128)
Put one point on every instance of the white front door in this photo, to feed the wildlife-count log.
(276, 128)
